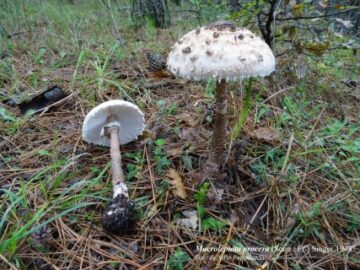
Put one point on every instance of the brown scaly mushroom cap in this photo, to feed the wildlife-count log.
(220, 51)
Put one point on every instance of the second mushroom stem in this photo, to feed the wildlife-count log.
(220, 125)
(116, 167)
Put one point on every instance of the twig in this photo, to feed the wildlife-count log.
(187, 10)
(314, 17)
(255, 215)
(315, 125)
(152, 179)
(287, 153)
(155, 85)
(103, 1)
(45, 109)
(279, 92)
(12, 267)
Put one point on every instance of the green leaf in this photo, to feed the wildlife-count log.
(351, 146)
(201, 211)
(43, 152)
(211, 223)
(162, 163)
(200, 196)
(160, 142)
(177, 2)
(178, 259)
(39, 57)
(132, 171)
(187, 161)
(6, 116)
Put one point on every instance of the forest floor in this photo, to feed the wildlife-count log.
(288, 197)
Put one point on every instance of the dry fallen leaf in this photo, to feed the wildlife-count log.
(268, 134)
(234, 217)
(187, 118)
(185, 134)
(178, 186)
(291, 221)
(323, 4)
(347, 24)
(215, 195)
(191, 220)
(174, 150)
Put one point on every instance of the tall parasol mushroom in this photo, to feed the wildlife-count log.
(110, 124)
(223, 52)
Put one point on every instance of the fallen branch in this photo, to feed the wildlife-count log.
(154, 85)
(315, 17)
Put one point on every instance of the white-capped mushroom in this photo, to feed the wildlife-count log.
(223, 52)
(113, 123)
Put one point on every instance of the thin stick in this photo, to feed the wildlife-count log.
(283, 169)
(314, 126)
(12, 267)
(279, 92)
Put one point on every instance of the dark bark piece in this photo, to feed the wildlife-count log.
(43, 100)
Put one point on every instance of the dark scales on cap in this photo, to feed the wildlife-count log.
(186, 50)
(222, 25)
(119, 215)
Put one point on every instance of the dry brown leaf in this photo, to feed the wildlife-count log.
(176, 181)
(268, 134)
(174, 150)
(347, 24)
(185, 134)
(215, 195)
(191, 220)
(187, 118)
(323, 4)
(291, 221)
(234, 217)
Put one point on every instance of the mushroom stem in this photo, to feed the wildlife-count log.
(119, 215)
(218, 139)
(116, 167)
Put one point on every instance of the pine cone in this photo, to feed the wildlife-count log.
(42, 238)
(156, 63)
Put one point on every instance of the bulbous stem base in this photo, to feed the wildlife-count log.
(119, 215)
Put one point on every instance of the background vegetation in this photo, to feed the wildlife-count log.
(289, 194)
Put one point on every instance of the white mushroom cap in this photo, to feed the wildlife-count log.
(128, 115)
(220, 51)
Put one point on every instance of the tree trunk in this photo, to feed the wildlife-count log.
(156, 10)
(234, 5)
